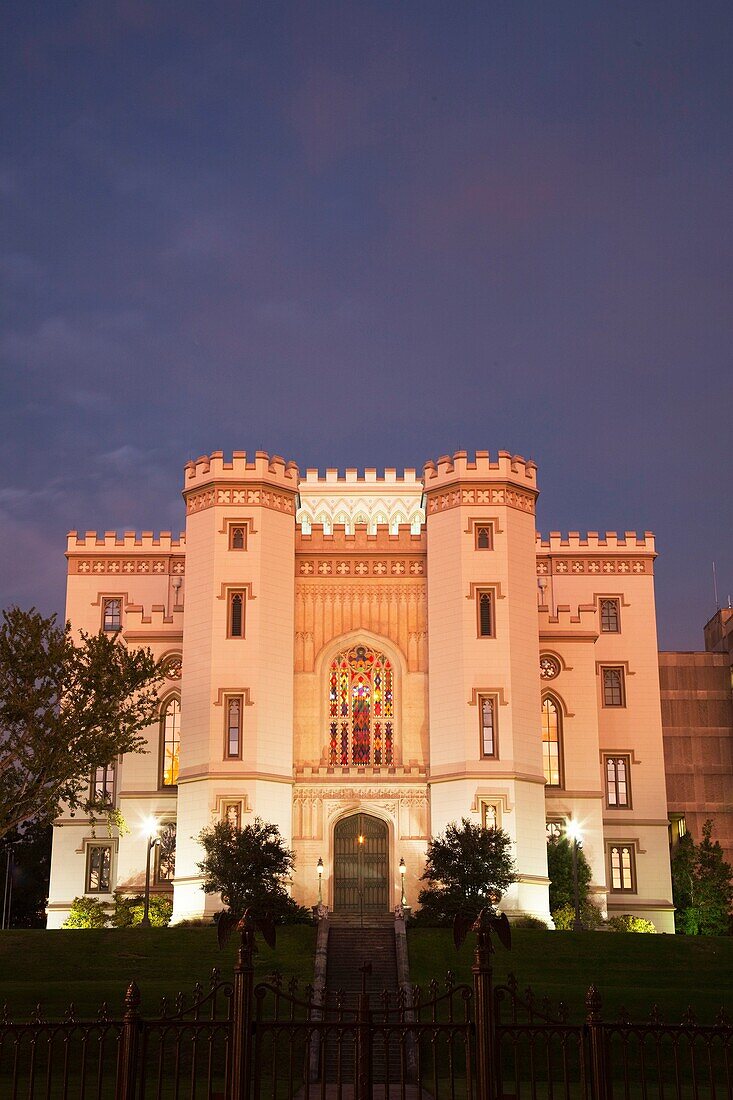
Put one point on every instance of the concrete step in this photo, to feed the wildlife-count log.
(350, 947)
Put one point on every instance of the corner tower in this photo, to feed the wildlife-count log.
(484, 689)
(237, 695)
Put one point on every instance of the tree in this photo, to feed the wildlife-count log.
(249, 867)
(65, 709)
(465, 866)
(701, 885)
(560, 873)
(30, 870)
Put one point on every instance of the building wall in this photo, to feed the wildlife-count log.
(697, 714)
(393, 563)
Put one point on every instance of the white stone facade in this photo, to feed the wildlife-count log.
(383, 645)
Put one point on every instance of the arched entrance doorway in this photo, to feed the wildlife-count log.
(361, 865)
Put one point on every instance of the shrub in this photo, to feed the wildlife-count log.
(701, 886)
(530, 923)
(129, 911)
(560, 872)
(590, 915)
(627, 922)
(467, 866)
(87, 913)
(250, 867)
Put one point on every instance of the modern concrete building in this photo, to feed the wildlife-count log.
(360, 656)
(697, 722)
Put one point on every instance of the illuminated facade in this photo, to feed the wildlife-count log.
(352, 656)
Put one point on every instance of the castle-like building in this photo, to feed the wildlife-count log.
(364, 659)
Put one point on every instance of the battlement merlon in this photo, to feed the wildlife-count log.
(506, 468)
(130, 542)
(263, 469)
(368, 479)
(339, 541)
(580, 622)
(594, 543)
(155, 623)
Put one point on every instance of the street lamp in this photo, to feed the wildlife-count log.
(319, 869)
(403, 872)
(150, 829)
(573, 833)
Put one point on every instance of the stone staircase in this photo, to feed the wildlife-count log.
(350, 948)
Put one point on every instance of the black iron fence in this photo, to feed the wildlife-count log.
(238, 1040)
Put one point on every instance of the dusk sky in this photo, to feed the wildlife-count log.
(368, 234)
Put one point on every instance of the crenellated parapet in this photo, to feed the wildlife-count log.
(144, 541)
(360, 554)
(593, 542)
(95, 554)
(505, 467)
(266, 481)
(361, 539)
(156, 622)
(508, 480)
(568, 622)
(594, 554)
(355, 498)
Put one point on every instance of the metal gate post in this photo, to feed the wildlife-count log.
(596, 1035)
(240, 1051)
(363, 1083)
(487, 1068)
(129, 1044)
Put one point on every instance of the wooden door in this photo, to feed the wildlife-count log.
(361, 865)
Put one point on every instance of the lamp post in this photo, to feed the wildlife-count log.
(319, 869)
(151, 832)
(403, 872)
(574, 834)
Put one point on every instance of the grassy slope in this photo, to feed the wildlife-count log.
(630, 970)
(91, 966)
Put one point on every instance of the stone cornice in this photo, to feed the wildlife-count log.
(243, 494)
(488, 494)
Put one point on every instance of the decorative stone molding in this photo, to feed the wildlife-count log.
(242, 495)
(123, 566)
(481, 494)
(360, 567)
(389, 609)
(314, 808)
(594, 566)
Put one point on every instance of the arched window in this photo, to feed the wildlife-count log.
(170, 722)
(361, 708)
(552, 741)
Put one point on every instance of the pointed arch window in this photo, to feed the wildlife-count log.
(552, 741)
(170, 723)
(361, 708)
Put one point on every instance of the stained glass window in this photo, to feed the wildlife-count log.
(361, 708)
(171, 721)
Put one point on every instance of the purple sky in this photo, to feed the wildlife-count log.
(368, 234)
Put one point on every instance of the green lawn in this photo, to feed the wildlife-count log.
(88, 967)
(630, 970)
